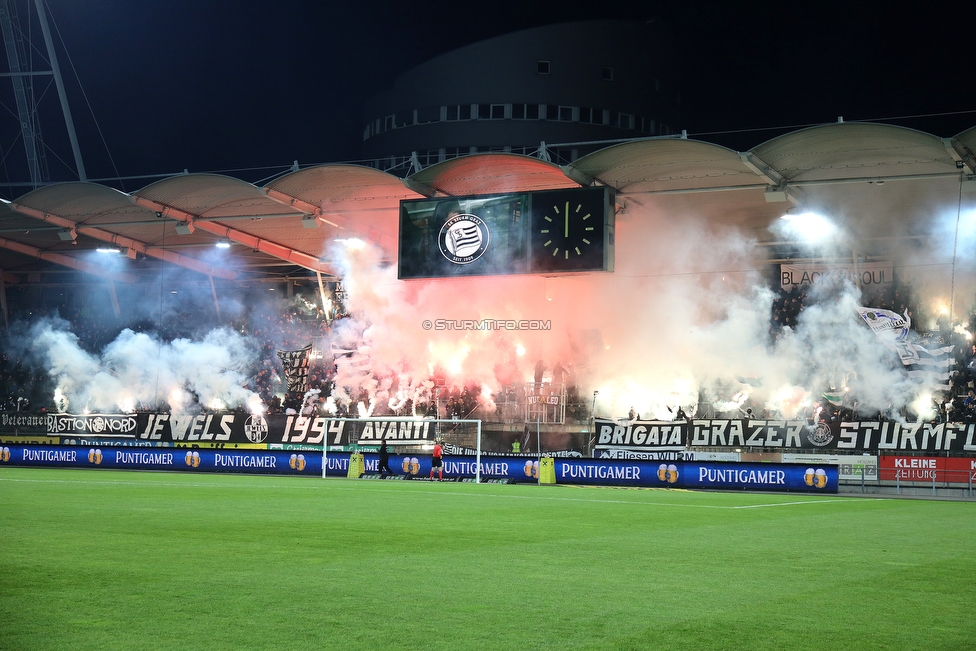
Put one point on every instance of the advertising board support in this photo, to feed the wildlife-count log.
(538, 448)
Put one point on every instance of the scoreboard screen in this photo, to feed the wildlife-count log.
(551, 231)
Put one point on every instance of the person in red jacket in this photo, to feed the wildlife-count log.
(436, 462)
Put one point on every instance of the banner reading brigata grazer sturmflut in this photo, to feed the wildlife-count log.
(866, 435)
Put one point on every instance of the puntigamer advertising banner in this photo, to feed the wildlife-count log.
(685, 474)
(681, 474)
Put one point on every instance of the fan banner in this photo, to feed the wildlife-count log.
(925, 365)
(639, 440)
(296, 365)
(645, 435)
(234, 430)
(870, 274)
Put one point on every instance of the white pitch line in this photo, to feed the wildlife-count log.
(760, 506)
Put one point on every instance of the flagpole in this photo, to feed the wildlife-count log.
(955, 243)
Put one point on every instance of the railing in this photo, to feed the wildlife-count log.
(914, 479)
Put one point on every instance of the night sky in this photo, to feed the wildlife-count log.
(221, 85)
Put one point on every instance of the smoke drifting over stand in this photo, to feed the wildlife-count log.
(685, 316)
(684, 320)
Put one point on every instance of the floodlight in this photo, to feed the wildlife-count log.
(310, 221)
(809, 226)
(222, 244)
(183, 229)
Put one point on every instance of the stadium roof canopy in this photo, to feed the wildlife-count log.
(283, 229)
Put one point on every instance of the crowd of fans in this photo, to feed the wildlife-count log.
(297, 322)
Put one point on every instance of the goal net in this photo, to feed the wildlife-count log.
(403, 436)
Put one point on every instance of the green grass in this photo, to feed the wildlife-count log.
(125, 560)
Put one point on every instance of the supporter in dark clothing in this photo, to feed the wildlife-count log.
(384, 459)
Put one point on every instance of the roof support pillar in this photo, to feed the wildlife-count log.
(114, 297)
(213, 290)
(3, 300)
(325, 306)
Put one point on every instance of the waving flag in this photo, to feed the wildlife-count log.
(928, 366)
(296, 363)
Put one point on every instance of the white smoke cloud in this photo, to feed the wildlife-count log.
(686, 311)
(139, 370)
(685, 316)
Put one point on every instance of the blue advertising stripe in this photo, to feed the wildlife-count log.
(517, 469)
(682, 474)
(602, 472)
(165, 459)
(761, 476)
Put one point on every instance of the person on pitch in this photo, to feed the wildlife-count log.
(384, 459)
(436, 462)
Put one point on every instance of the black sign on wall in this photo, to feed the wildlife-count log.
(550, 231)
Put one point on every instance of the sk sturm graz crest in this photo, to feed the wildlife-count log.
(821, 435)
(463, 238)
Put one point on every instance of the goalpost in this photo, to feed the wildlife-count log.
(403, 436)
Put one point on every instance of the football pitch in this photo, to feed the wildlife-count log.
(125, 560)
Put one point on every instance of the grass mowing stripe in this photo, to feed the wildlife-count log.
(459, 494)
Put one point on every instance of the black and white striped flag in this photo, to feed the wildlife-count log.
(296, 365)
(928, 366)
